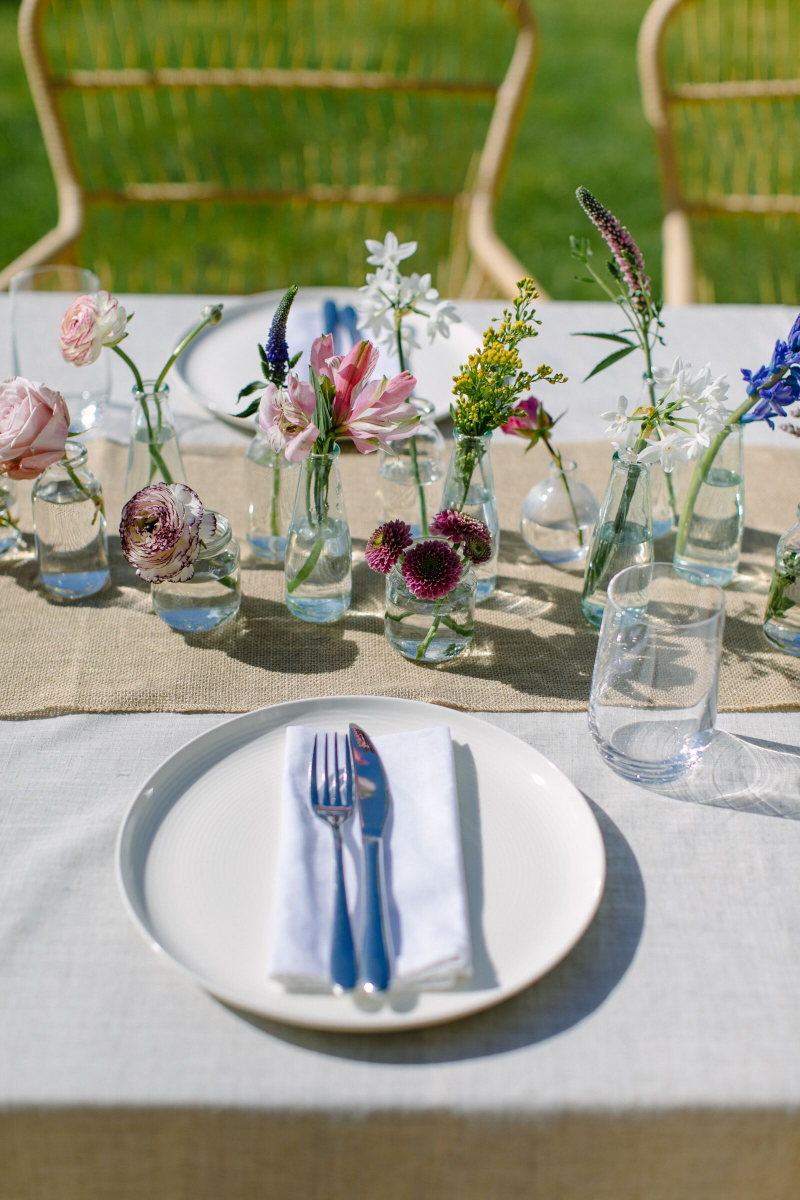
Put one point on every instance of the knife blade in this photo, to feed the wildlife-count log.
(373, 805)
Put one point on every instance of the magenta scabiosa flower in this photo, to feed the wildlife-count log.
(161, 530)
(386, 545)
(627, 254)
(431, 569)
(458, 526)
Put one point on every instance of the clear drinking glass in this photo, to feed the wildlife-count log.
(39, 298)
(653, 703)
(153, 452)
(710, 543)
(429, 630)
(469, 487)
(9, 516)
(212, 596)
(398, 490)
(782, 618)
(623, 535)
(318, 569)
(271, 483)
(558, 515)
(70, 527)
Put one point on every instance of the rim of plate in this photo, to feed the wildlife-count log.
(407, 1021)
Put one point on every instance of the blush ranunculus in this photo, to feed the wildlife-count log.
(90, 323)
(34, 422)
(161, 530)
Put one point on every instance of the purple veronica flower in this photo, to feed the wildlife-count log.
(431, 569)
(627, 254)
(386, 545)
(276, 354)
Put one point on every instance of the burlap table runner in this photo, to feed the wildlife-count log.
(532, 651)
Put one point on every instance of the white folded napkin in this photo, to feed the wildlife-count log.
(426, 890)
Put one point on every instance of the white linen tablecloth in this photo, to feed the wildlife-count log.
(660, 1060)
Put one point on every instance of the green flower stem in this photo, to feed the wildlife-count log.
(412, 445)
(273, 508)
(431, 634)
(307, 567)
(137, 377)
(597, 563)
(99, 506)
(212, 317)
(556, 455)
(156, 457)
(673, 508)
(320, 468)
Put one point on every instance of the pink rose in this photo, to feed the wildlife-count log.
(161, 530)
(90, 323)
(34, 422)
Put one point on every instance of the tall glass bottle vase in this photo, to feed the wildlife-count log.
(153, 453)
(70, 527)
(469, 487)
(9, 516)
(623, 535)
(271, 483)
(318, 568)
(410, 474)
(709, 538)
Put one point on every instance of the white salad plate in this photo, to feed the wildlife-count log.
(222, 359)
(196, 861)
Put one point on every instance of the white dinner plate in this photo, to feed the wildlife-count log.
(222, 359)
(197, 852)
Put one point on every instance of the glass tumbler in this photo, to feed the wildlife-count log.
(653, 703)
(39, 298)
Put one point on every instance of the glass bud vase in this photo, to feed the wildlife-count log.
(212, 596)
(558, 515)
(271, 483)
(710, 529)
(10, 537)
(663, 493)
(782, 618)
(318, 568)
(70, 528)
(469, 487)
(429, 630)
(153, 453)
(409, 479)
(623, 535)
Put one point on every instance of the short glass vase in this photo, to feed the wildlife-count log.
(10, 537)
(430, 631)
(153, 453)
(318, 568)
(623, 535)
(212, 596)
(469, 487)
(271, 483)
(558, 516)
(70, 528)
(709, 538)
(782, 618)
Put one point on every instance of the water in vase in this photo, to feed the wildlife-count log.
(320, 555)
(71, 542)
(715, 533)
(143, 467)
(617, 548)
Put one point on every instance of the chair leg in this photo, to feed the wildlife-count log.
(679, 277)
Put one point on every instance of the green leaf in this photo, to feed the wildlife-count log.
(612, 358)
(584, 279)
(262, 353)
(295, 359)
(609, 337)
(322, 409)
(252, 408)
(248, 390)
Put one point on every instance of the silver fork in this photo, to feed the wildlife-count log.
(335, 806)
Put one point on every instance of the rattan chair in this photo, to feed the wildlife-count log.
(238, 145)
(721, 87)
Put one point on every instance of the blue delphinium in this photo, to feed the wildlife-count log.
(777, 383)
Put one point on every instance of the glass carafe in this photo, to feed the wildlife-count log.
(70, 527)
(318, 568)
(469, 487)
(271, 483)
(623, 535)
(153, 453)
(782, 618)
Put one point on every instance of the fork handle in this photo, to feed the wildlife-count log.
(376, 959)
(344, 971)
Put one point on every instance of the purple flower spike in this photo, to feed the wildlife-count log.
(431, 569)
(386, 545)
(627, 254)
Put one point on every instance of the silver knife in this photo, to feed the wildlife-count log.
(373, 805)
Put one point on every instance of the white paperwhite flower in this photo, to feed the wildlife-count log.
(618, 418)
(389, 252)
(668, 451)
(694, 444)
(665, 376)
(441, 318)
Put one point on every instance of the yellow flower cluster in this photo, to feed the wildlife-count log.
(492, 380)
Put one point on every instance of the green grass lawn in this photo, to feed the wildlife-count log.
(583, 125)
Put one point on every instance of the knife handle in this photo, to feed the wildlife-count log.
(376, 958)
